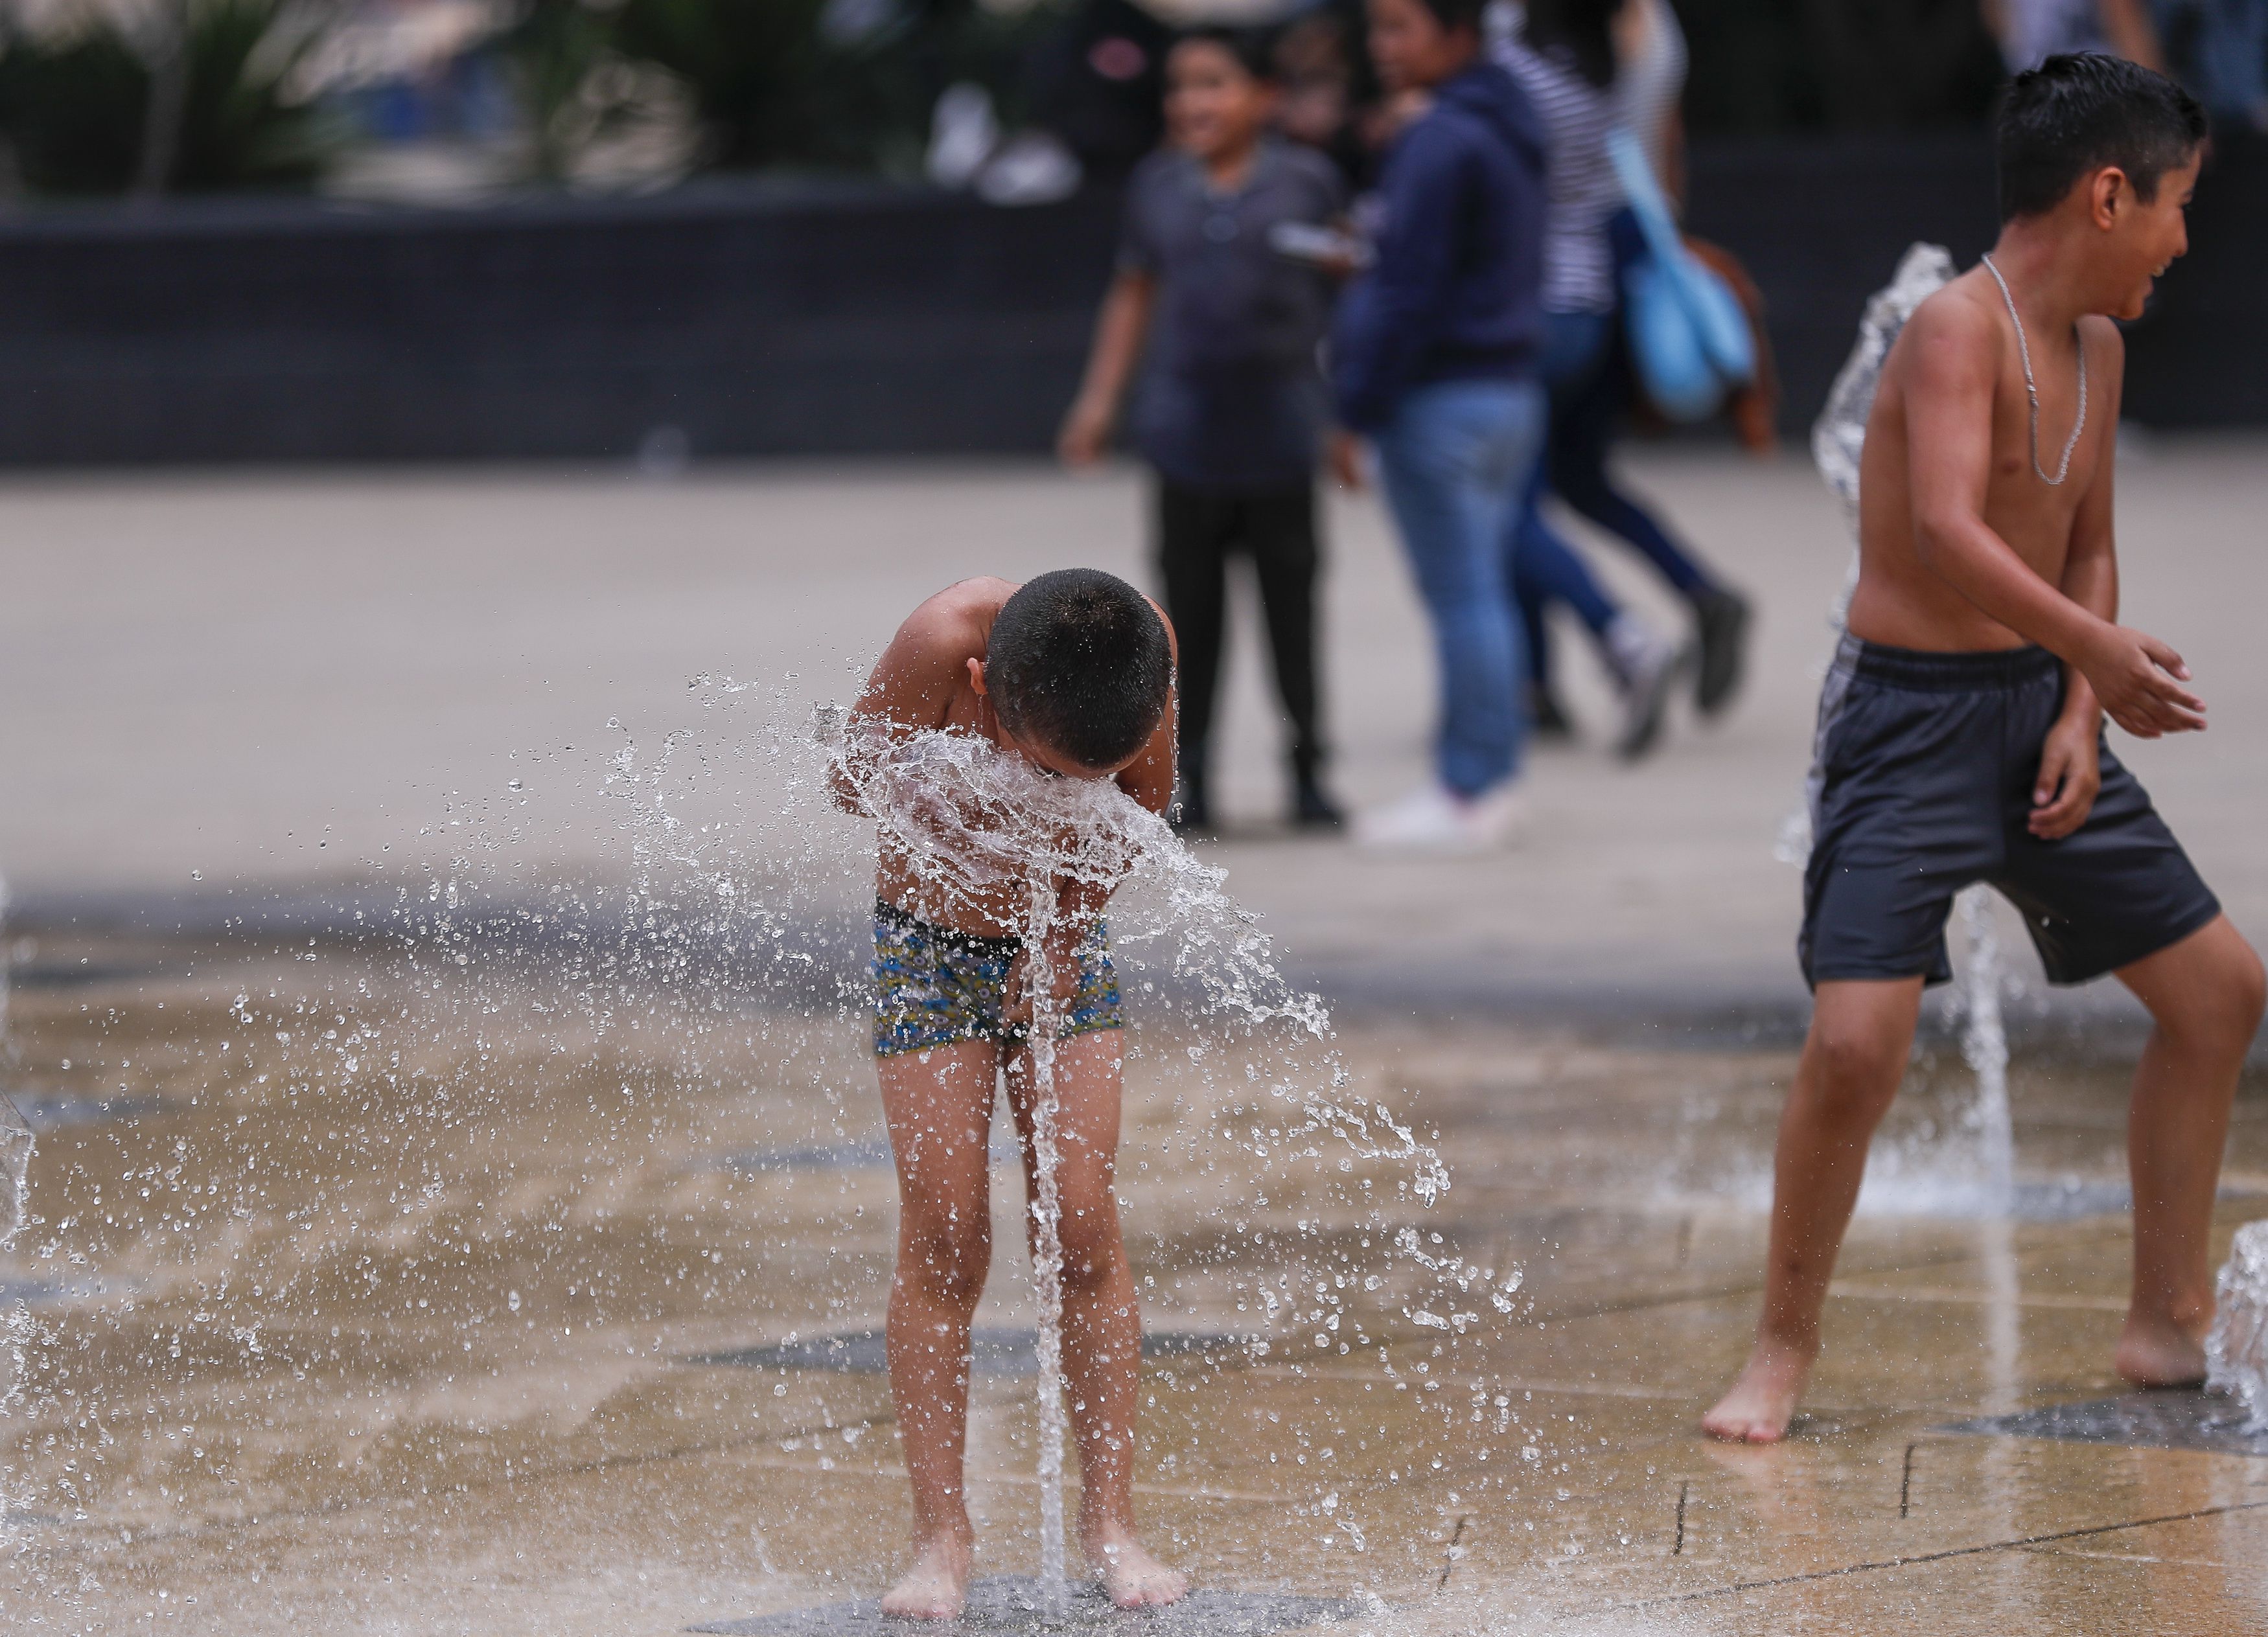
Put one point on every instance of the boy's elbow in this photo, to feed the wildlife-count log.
(1935, 538)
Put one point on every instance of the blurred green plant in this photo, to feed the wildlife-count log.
(241, 123)
(827, 84)
(554, 52)
(201, 101)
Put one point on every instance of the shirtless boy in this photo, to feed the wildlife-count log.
(1959, 728)
(1073, 671)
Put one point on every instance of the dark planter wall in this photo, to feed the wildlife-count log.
(851, 320)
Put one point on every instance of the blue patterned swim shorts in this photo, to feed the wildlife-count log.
(935, 987)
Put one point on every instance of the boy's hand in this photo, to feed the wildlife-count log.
(1086, 434)
(1346, 460)
(2139, 679)
(2071, 775)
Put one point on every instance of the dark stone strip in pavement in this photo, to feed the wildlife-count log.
(1950, 1552)
(2168, 1418)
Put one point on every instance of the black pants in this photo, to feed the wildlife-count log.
(1198, 530)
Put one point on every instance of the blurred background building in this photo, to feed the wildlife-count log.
(343, 229)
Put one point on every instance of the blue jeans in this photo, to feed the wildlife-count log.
(1590, 388)
(1454, 459)
(1545, 567)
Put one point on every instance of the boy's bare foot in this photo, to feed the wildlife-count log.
(2158, 1352)
(1763, 1401)
(937, 1585)
(1130, 1575)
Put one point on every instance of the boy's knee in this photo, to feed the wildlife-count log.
(1091, 1243)
(947, 1255)
(1857, 1065)
(2249, 988)
(2221, 1006)
(2234, 1003)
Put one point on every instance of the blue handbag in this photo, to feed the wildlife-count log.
(1688, 337)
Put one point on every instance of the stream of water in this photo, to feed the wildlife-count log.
(15, 1139)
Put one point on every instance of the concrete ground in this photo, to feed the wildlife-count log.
(252, 683)
(519, 1286)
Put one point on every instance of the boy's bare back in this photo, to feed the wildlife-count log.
(1951, 432)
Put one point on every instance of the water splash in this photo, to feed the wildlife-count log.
(970, 818)
(2237, 1348)
(979, 828)
(1984, 1048)
(16, 1146)
(1838, 438)
(1047, 1250)
(16, 1140)
(478, 1129)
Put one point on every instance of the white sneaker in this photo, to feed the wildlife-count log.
(1435, 818)
(1648, 665)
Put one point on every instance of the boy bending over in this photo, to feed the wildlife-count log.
(1074, 673)
(1960, 726)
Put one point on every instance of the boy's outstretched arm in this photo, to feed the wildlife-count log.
(1119, 329)
(1948, 387)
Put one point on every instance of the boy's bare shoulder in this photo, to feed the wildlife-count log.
(2106, 343)
(1953, 327)
(960, 617)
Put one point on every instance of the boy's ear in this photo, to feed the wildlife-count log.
(2108, 192)
(976, 675)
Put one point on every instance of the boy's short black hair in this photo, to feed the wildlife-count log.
(1079, 661)
(2074, 115)
(1455, 14)
(1252, 49)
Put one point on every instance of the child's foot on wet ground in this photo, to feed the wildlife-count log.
(937, 1585)
(1763, 1401)
(2158, 1352)
(1131, 1577)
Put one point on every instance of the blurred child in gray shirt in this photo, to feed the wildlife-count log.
(1217, 272)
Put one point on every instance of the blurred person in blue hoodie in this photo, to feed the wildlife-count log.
(1434, 355)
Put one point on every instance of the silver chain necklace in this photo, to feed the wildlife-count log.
(2032, 389)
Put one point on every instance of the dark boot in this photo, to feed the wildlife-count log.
(1546, 718)
(1722, 618)
(1312, 806)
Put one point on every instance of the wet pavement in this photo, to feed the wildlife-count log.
(379, 1303)
(376, 1292)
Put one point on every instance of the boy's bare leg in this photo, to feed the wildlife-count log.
(2204, 995)
(1102, 1329)
(1861, 1033)
(939, 1108)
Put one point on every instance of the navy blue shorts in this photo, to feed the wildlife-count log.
(1921, 783)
